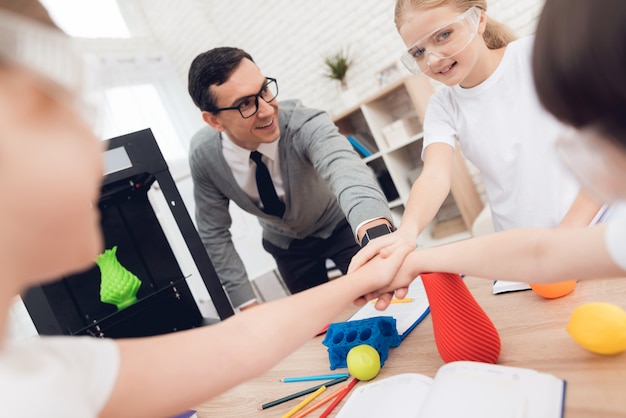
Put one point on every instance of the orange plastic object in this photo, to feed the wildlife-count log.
(463, 331)
(554, 290)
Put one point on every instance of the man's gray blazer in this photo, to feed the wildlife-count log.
(325, 181)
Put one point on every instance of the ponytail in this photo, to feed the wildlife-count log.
(497, 35)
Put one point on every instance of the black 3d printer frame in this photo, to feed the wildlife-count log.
(133, 162)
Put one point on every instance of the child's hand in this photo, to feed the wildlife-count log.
(381, 270)
(382, 299)
(383, 245)
(399, 285)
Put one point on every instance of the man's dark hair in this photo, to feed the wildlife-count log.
(212, 67)
(579, 61)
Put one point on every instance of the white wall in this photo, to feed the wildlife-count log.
(290, 38)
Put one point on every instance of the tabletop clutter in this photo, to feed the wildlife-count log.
(462, 332)
(462, 329)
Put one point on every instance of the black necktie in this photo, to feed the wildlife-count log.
(267, 192)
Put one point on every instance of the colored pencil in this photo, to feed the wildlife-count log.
(321, 402)
(318, 377)
(338, 399)
(305, 402)
(323, 330)
(301, 393)
(403, 300)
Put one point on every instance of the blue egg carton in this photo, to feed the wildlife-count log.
(379, 332)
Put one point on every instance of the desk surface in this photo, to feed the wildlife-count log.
(533, 335)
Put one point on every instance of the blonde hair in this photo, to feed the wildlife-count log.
(496, 35)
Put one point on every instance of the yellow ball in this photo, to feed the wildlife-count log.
(363, 362)
(600, 327)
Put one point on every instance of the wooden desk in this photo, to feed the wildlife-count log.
(532, 330)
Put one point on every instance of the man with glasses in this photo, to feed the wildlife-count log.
(283, 163)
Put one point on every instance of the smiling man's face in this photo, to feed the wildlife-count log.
(261, 128)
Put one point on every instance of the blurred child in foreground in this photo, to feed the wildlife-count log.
(51, 170)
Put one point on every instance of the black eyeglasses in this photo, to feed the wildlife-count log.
(250, 105)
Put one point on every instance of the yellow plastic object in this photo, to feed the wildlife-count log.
(553, 290)
(363, 362)
(600, 327)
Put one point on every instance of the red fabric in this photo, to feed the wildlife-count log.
(463, 331)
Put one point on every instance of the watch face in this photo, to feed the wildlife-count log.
(377, 231)
(374, 232)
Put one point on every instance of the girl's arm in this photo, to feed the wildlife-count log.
(583, 210)
(427, 195)
(429, 190)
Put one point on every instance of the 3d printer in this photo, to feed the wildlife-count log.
(74, 305)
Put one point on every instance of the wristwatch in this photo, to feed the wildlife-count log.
(375, 232)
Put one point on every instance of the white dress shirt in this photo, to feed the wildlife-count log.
(244, 169)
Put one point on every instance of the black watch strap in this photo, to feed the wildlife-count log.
(375, 232)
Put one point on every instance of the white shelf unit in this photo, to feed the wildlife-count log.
(397, 110)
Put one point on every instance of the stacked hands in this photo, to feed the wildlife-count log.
(391, 251)
(462, 330)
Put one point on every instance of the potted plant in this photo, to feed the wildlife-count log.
(337, 66)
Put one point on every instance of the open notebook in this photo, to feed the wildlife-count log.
(460, 389)
(407, 315)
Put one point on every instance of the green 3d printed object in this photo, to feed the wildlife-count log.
(118, 286)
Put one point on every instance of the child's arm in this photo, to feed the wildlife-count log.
(163, 375)
(427, 195)
(429, 190)
(542, 254)
(583, 210)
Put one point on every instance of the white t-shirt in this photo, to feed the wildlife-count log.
(64, 377)
(504, 132)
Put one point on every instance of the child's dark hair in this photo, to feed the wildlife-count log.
(579, 62)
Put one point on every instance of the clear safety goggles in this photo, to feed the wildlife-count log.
(444, 42)
(597, 162)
